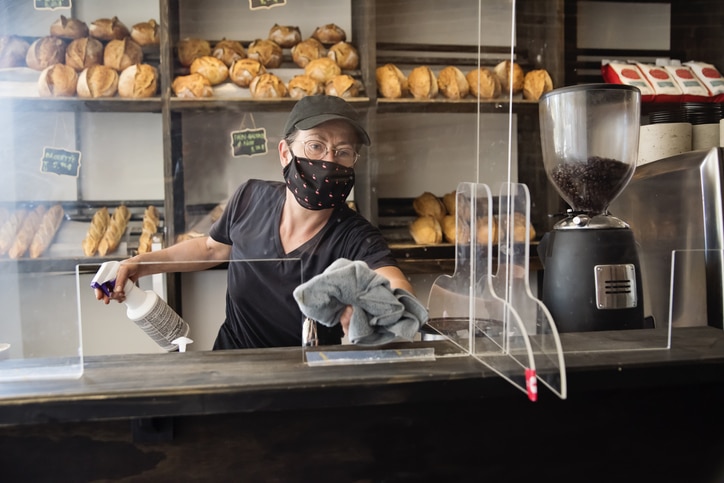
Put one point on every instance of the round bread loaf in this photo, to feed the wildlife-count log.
(13, 50)
(427, 204)
(422, 83)
(69, 28)
(345, 55)
(97, 81)
(138, 81)
(450, 202)
(192, 86)
(391, 82)
(210, 67)
(146, 33)
(452, 83)
(303, 85)
(286, 36)
(322, 69)
(121, 54)
(267, 52)
(511, 76)
(108, 29)
(267, 86)
(329, 34)
(191, 48)
(44, 52)
(57, 80)
(243, 71)
(487, 230)
(536, 83)
(426, 230)
(343, 85)
(306, 51)
(83, 53)
(229, 51)
(483, 83)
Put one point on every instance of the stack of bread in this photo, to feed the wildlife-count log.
(452, 83)
(28, 230)
(89, 61)
(325, 57)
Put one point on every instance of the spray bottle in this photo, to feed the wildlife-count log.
(149, 311)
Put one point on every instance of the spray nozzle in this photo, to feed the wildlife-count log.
(182, 342)
(105, 278)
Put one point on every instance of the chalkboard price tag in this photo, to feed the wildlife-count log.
(51, 4)
(248, 142)
(60, 161)
(257, 4)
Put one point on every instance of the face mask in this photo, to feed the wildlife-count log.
(318, 185)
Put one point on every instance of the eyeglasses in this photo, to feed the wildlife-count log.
(317, 150)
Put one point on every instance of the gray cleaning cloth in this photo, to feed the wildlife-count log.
(380, 314)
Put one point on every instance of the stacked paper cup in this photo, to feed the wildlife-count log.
(668, 134)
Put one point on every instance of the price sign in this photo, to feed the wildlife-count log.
(248, 142)
(51, 4)
(60, 161)
(257, 4)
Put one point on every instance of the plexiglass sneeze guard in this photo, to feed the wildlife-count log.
(489, 312)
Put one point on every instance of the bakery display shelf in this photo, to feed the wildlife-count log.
(247, 104)
(444, 54)
(467, 105)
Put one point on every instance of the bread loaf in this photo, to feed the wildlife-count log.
(121, 54)
(450, 202)
(306, 51)
(192, 86)
(265, 51)
(229, 51)
(452, 83)
(49, 226)
(329, 34)
(345, 55)
(487, 231)
(536, 83)
(25, 234)
(391, 82)
(484, 83)
(426, 230)
(117, 226)
(138, 81)
(286, 36)
(343, 85)
(97, 81)
(97, 229)
(108, 29)
(427, 204)
(422, 83)
(322, 69)
(449, 228)
(511, 76)
(83, 53)
(44, 52)
(268, 86)
(10, 228)
(150, 226)
(13, 51)
(243, 71)
(69, 28)
(58, 80)
(191, 48)
(210, 67)
(146, 33)
(303, 85)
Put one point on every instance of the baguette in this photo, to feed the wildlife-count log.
(99, 223)
(114, 232)
(150, 226)
(48, 228)
(10, 228)
(27, 230)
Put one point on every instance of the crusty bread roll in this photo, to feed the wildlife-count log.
(69, 28)
(286, 36)
(427, 204)
(268, 86)
(138, 81)
(520, 226)
(426, 230)
(146, 33)
(210, 67)
(510, 75)
(303, 85)
(229, 51)
(121, 54)
(49, 226)
(190, 48)
(13, 50)
(450, 202)
(192, 86)
(391, 82)
(44, 52)
(24, 236)
(243, 71)
(322, 69)
(449, 228)
(97, 229)
(452, 83)
(58, 80)
(265, 51)
(83, 53)
(10, 228)
(108, 29)
(487, 232)
(343, 85)
(422, 83)
(345, 55)
(306, 51)
(483, 83)
(329, 34)
(97, 81)
(536, 83)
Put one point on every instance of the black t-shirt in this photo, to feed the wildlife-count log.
(260, 306)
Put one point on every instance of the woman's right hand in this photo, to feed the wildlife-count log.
(128, 270)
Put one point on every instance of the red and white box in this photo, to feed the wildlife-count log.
(692, 88)
(617, 72)
(710, 77)
(665, 87)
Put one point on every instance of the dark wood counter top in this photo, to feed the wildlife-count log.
(200, 383)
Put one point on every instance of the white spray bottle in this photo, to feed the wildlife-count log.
(146, 309)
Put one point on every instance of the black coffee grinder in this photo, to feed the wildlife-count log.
(592, 276)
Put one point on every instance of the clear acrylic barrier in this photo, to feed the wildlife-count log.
(478, 311)
(697, 289)
(32, 345)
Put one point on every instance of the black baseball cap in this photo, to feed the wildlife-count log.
(311, 111)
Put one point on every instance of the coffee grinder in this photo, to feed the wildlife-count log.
(592, 276)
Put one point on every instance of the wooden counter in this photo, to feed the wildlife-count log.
(264, 415)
